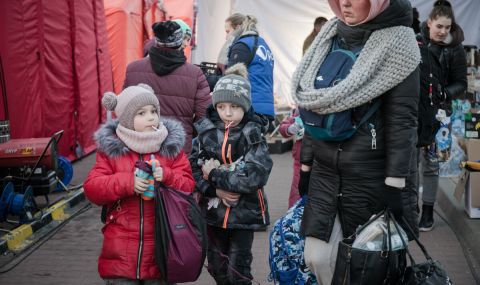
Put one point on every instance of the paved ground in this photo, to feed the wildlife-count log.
(70, 256)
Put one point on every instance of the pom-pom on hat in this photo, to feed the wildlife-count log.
(234, 87)
(129, 101)
(168, 34)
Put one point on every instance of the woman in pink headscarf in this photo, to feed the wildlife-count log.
(355, 178)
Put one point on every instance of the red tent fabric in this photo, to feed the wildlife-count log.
(129, 25)
(55, 65)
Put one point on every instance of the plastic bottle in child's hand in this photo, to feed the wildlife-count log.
(149, 193)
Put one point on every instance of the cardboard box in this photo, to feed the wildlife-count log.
(472, 195)
(473, 149)
(469, 182)
(279, 145)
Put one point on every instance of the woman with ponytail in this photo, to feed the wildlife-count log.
(249, 48)
(443, 77)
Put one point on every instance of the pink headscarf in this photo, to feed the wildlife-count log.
(376, 7)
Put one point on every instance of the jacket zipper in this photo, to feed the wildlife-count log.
(374, 135)
(226, 152)
(347, 268)
(140, 245)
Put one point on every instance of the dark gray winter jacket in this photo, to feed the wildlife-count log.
(253, 165)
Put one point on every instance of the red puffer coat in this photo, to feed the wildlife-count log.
(128, 245)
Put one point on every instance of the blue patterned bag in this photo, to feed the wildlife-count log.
(287, 265)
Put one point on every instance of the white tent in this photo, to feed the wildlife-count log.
(285, 24)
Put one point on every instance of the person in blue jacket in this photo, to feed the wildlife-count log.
(252, 50)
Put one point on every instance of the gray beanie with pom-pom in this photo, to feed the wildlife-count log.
(129, 101)
(234, 87)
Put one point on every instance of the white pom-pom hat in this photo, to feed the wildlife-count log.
(129, 101)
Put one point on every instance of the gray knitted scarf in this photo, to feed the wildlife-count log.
(388, 57)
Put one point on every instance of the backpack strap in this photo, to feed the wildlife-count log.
(369, 113)
(355, 52)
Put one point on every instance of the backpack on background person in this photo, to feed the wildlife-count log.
(287, 264)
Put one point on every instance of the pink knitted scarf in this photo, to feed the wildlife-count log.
(142, 142)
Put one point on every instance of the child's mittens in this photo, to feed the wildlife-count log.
(295, 129)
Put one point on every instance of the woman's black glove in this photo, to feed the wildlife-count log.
(303, 182)
(393, 201)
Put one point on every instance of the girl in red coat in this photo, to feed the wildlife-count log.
(127, 255)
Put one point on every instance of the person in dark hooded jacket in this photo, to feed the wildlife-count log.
(352, 180)
(181, 87)
(443, 77)
(231, 164)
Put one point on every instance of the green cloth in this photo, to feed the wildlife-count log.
(185, 27)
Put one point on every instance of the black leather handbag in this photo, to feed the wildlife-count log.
(430, 272)
(357, 267)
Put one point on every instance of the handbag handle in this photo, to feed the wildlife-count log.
(422, 247)
(397, 226)
(374, 218)
(361, 228)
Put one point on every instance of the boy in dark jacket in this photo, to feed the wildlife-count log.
(231, 164)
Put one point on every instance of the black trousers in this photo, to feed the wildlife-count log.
(230, 255)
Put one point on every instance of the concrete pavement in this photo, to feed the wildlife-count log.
(70, 255)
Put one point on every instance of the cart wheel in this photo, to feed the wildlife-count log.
(65, 172)
(5, 201)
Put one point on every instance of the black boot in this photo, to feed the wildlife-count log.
(426, 221)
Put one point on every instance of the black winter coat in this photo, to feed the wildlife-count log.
(448, 65)
(250, 150)
(348, 178)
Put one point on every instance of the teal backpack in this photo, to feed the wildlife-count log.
(334, 126)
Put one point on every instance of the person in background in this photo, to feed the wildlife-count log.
(317, 26)
(292, 126)
(443, 77)
(187, 37)
(231, 165)
(138, 134)
(232, 29)
(252, 50)
(352, 180)
(181, 87)
(416, 21)
(187, 32)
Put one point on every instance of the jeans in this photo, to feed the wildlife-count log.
(230, 255)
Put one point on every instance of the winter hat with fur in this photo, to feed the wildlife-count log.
(168, 34)
(233, 87)
(129, 101)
